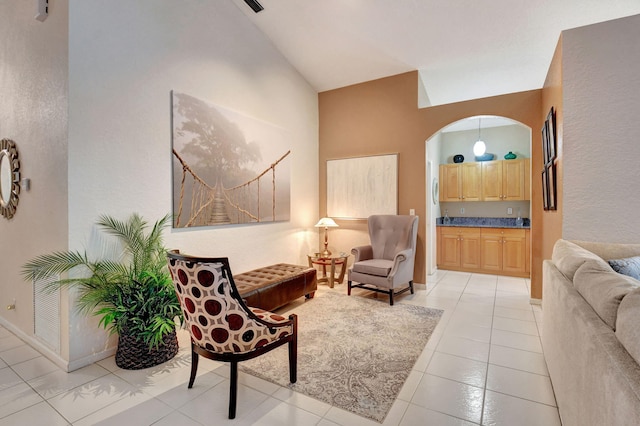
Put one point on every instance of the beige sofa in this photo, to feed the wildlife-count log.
(591, 333)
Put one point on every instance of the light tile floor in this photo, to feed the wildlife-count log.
(482, 365)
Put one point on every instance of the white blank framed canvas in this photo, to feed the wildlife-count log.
(362, 186)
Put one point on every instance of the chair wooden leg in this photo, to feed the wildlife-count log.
(391, 297)
(293, 353)
(194, 366)
(411, 286)
(233, 391)
(349, 288)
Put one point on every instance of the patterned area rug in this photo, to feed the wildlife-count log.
(353, 353)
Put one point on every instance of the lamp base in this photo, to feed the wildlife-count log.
(326, 253)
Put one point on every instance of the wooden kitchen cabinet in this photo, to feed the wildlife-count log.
(503, 250)
(500, 251)
(459, 247)
(499, 180)
(461, 182)
(504, 180)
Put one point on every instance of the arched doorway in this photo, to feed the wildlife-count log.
(501, 136)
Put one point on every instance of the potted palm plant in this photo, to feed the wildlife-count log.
(132, 295)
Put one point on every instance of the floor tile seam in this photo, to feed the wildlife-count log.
(519, 369)
(304, 409)
(458, 381)
(502, 316)
(441, 412)
(19, 362)
(486, 376)
(27, 407)
(526, 399)
(34, 377)
(520, 349)
(103, 407)
(59, 413)
(80, 385)
(512, 307)
(442, 335)
(458, 355)
(22, 380)
(46, 398)
(538, 326)
(517, 332)
(467, 323)
(484, 342)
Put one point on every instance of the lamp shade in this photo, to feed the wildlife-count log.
(326, 222)
(479, 148)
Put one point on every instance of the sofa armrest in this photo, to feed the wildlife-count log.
(362, 253)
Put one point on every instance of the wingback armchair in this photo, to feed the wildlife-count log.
(222, 326)
(387, 263)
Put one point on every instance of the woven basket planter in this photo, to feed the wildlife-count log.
(134, 354)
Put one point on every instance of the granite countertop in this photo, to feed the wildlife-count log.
(484, 222)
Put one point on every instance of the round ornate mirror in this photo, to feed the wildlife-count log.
(9, 178)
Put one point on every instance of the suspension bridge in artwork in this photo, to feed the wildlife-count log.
(217, 205)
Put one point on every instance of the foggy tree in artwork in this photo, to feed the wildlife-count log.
(218, 147)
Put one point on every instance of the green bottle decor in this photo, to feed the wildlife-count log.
(510, 156)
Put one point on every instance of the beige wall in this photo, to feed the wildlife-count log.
(382, 116)
(33, 112)
(552, 97)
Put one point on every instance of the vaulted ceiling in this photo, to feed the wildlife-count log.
(463, 49)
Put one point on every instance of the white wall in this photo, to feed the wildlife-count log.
(601, 87)
(33, 112)
(433, 203)
(499, 140)
(124, 60)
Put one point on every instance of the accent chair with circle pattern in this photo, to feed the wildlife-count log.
(221, 325)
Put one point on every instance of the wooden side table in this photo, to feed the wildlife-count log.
(331, 261)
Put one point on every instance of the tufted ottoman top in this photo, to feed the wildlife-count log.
(263, 277)
(275, 285)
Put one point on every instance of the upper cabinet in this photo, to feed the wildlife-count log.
(501, 180)
(461, 182)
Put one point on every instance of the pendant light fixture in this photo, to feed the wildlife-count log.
(479, 148)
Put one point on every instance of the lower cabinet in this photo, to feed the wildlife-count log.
(501, 251)
(460, 247)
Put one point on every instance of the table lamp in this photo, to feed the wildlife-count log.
(326, 222)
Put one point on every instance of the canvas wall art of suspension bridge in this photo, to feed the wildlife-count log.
(227, 168)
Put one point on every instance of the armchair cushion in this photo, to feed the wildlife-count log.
(378, 267)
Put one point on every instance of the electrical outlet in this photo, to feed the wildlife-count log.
(509, 210)
(461, 210)
(412, 212)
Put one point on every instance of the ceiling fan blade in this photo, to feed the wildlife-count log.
(253, 4)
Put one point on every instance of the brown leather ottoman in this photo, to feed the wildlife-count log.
(273, 286)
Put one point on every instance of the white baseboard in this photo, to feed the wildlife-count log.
(53, 356)
(535, 301)
(88, 360)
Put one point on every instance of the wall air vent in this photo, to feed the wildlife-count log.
(253, 4)
(46, 310)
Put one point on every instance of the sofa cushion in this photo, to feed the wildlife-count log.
(568, 257)
(379, 267)
(629, 266)
(603, 288)
(627, 330)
